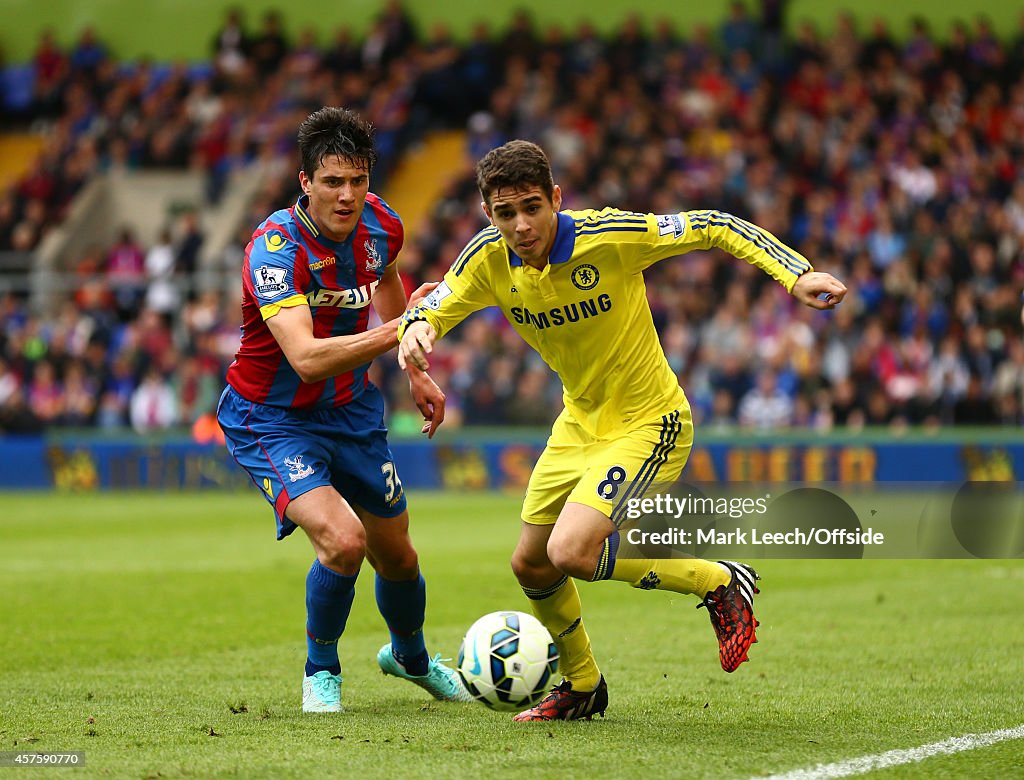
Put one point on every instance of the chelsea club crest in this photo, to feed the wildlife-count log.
(585, 276)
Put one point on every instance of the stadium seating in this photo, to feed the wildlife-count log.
(897, 166)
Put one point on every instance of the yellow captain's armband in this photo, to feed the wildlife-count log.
(413, 315)
(268, 310)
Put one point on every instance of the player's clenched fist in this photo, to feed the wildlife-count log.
(416, 344)
(819, 290)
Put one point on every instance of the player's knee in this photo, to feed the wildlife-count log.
(530, 571)
(521, 567)
(343, 551)
(569, 558)
(400, 564)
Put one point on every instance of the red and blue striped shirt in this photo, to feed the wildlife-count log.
(289, 262)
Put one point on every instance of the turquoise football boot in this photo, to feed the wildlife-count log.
(440, 682)
(322, 693)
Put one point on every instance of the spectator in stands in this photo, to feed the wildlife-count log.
(975, 408)
(81, 394)
(162, 294)
(196, 389)
(440, 93)
(531, 404)
(89, 53)
(766, 407)
(305, 60)
(478, 66)
(520, 39)
(50, 64)
(39, 183)
(390, 37)
(739, 31)
(16, 417)
(10, 385)
(399, 27)
(231, 45)
(126, 272)
(343, 56)
(153, 406)
(270, 46)
(45, 394)
(116, 398)
(190, 242)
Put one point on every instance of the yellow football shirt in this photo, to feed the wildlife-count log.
(586, 311)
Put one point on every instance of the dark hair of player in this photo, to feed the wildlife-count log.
(336, 131)
(515, 165)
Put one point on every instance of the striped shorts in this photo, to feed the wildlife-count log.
(603, 472)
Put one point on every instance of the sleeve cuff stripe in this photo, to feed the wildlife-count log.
(268, 310)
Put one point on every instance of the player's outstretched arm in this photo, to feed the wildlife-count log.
(417, 343)
(315, 359)
(819, 290)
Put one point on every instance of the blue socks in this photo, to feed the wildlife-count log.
(403, 604)
(328, 601)
(329, 598)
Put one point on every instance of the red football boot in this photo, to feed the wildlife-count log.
(563, 703)
(731, 609)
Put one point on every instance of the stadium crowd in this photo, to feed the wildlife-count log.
(897, 165)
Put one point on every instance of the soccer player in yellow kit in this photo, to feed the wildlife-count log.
(571, 284)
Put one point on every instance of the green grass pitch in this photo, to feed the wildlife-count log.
(163, 635)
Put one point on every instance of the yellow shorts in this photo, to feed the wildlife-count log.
(584, 469)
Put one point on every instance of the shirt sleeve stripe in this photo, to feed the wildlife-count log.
(775, 242)
(485, 235)
(610, 229)
(782, 248)
(771, 248)
(268, 310)
(474, 246)
(629, 220)
(609, 212)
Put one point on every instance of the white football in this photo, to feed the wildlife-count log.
(507, 659)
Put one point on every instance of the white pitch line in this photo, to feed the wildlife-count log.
(858, 766)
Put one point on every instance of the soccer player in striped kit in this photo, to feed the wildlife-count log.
(571, 284)
(302, 418)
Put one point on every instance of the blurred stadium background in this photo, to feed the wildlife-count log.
(886, 142)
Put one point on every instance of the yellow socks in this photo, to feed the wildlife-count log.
(558, 608)
(679, 575)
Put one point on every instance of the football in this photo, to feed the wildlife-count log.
(506, 660)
